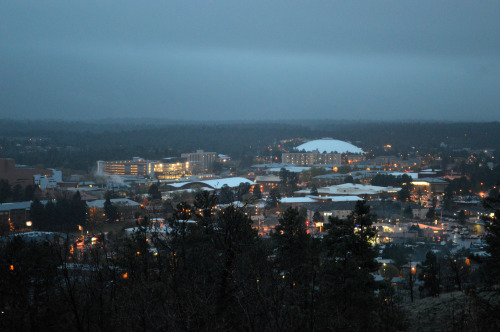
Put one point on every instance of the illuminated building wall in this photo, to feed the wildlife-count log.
(171, 170)
(125, 167)
(200, 160)
(311, 158)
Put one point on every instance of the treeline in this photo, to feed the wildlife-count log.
(63, 215)
(79, 145)
(218, 275)
(215, 275)
(16, 193)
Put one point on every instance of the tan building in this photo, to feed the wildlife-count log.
(267, 182)
(168, 168)
(21, 175)
(135, 167)
(311, 158)
(200, 160)
(171, 168)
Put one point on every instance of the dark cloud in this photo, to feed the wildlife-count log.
(250, 59)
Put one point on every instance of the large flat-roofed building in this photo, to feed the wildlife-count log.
(19, 175)
(167, 168)
(135, 167)
(325, 151)
(171, 168)
(311, 158)
(200, 160)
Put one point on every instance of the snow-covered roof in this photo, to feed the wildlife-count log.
(355, 189)
(414, 176)
(120, 201)
(216, 183)
(236, 204)
(342, 198)
(293, 169)
(329, 145)
(314, 199)
(296, 200)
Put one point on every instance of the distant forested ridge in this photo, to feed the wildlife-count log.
(78, 145)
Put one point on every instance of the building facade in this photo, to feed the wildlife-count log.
(20, 175)
(200, 160)
(135, 167)
(167, 168)
(311, 158)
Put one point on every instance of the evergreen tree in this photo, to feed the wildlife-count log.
(431, 213)
(462, 217)
(17, 193)
(257, 192)
(226, 196)
(408, 212)
(317, 217)
(314, 191)
(348, 285)
(448, 198)
(492, 203)
(296, 263)
(349, 179)
(37, 214)
(50, 215)
(5, 191)
(154, 192)
(29, 192)
(110, 210)
(430, 275)
(78, 211)
(273, 198)
(404, 194)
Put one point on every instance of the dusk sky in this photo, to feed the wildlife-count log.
(250, 60)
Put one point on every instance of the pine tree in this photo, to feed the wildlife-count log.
(348, 285)
(154, 192)
(314, 191)
(257, 192)
(37, 214)
(430, 274)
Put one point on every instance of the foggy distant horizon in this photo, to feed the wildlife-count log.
(412, 61)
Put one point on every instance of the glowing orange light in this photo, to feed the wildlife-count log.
(11, 268)
(125, 275)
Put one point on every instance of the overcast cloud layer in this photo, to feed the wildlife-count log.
(250, 60)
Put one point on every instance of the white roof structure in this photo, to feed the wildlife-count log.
(118, 201)
(315, 199)
(342, 198)
(355, 189)
(216, 183)
(297, 200)
(414, 176)
(293, 169)
(329, 145)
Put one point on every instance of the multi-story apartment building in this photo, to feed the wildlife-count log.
(311, 158)
(171, 168)
(135, 167)
(167, 168)
(200, 160)
(19, 174)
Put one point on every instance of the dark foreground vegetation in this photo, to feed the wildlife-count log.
(215, 275)
(218, 275)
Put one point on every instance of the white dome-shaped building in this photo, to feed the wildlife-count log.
(330, 146)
